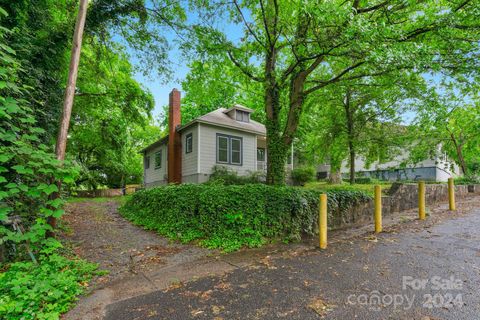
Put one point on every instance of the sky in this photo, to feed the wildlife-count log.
(161, 89)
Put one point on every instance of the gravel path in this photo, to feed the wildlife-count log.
(99, 234)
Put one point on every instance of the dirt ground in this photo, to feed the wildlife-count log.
(99, 234)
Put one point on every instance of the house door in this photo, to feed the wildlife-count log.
(261, 165)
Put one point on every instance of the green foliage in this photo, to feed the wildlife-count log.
(302, 175)
(41, 33)
(44, 290)
(336, 44)
(111, 116)
(112, 119)
(28, 168)
(448, 124)
(214, 83)
(229, 217)
(225, 175)
(471, 179)
(358, 120)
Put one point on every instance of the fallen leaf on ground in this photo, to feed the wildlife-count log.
(320, 306)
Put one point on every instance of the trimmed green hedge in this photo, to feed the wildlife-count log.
(229, 217)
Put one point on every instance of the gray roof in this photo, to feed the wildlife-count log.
(157, 143)
(220, 118)
(239, 107)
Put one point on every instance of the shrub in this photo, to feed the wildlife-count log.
(28, 172)
(28, 168)
(226, 176)
(468, 180)
(364, 180)
(229, 217)
(44, 290)
(302, 175)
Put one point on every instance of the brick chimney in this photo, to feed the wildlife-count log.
(174, 139)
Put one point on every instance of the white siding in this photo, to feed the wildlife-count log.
(403, 156)
(208, 151)
(158, 175)
(189, 160)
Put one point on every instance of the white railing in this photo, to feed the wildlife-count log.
(261, 166)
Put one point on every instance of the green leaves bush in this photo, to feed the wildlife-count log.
(44, 290)
(302, 175)
(224, 175)
(28, 169)
(364, 180)
(230, 217)
(45, 286)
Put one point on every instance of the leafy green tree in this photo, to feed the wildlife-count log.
(295, 48)
(41, 32)
(142, 26)
(28, 167)
(449, 117)
(111, 119)
(359, 118)
(211, 84)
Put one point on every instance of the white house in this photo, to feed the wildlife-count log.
(227, 137)
(437, 168)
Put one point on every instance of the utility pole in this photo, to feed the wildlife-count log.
(69, 92)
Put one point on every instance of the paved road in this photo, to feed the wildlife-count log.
(429, 273)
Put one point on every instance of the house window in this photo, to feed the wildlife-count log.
(229, 149)
(188, 143)
(222, 149)
(146, 163)
(260, 154)
(158, 159)
(236, 151)
(242, 116)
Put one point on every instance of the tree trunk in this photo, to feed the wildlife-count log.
(459, 151)
(461, 159)
(276, 159)
(350, 134)
(352, 162)
(276, 147)
(69, 94)
(335, 176)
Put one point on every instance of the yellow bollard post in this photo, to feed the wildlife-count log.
(378, 209)
(451, 194)
(322, 221)
(421, 200)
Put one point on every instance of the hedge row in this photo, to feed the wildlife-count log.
(229, 217)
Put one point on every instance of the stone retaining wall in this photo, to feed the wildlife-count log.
(400, 197)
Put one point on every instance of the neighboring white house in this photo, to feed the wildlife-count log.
(226, 137)
(439, 168)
